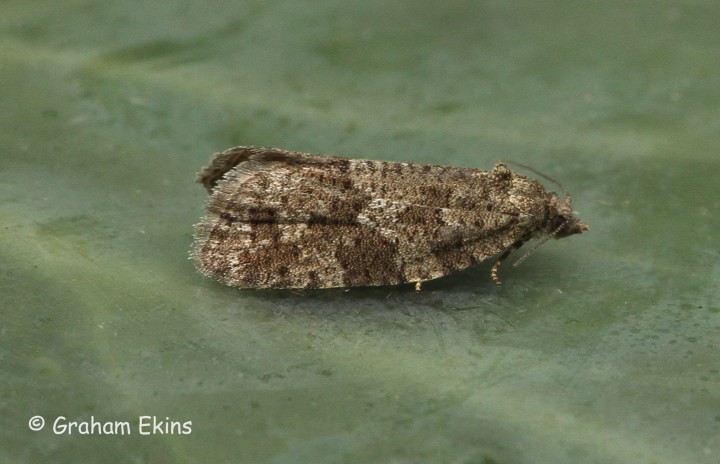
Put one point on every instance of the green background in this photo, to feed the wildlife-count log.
(600, 348)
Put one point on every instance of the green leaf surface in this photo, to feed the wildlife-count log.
(600, 348)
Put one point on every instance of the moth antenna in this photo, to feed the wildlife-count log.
(544, 176)
(538, 244)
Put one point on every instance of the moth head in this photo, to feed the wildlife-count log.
(560, 221)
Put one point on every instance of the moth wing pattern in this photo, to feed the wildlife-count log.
(281, 187)
(291, 220)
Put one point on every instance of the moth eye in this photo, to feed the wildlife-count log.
(558, 221)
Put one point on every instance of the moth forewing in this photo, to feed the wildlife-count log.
(283, 219)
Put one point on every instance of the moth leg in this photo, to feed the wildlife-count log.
(503, 257)
(418, 286)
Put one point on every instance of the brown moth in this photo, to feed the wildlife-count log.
(284, 219)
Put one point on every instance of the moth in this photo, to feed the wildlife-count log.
(287, 219)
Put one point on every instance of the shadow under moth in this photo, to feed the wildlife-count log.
(285, 219)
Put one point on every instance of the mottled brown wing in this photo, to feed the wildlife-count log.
(283, 219)
(276, 186)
